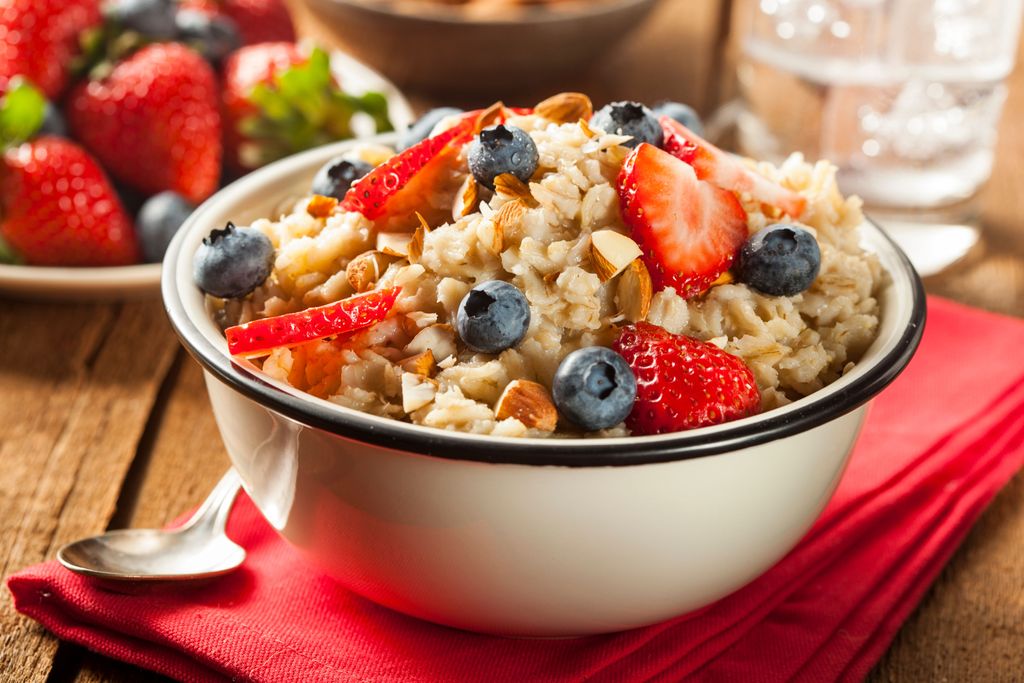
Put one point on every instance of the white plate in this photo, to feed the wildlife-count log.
(125, 282)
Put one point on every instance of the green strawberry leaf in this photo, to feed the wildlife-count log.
(303, 107)
(22, 109)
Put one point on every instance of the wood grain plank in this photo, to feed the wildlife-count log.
(75, 392)
(185, 462)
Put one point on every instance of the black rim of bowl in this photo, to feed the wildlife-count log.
(592, 452)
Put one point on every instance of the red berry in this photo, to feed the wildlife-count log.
(404, 183)
(282, 98)
(154, 121)
(349, 315)
(58, 209)
(242, 71)
(38, 39)
(689, 230)
(725, 170)
(259, 21)
(683, 383)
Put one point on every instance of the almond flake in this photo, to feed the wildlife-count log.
(508, 185)
(417, 391)
(394, 243)
(496, 113)
(421, 364)
(634, 292)
(438, 339)
(529, 403)
(587, 130)
(320, 206)
(415, 248)
(611, 253)
(509, 215)
(466, 199)
(364, 270)
(565, 107)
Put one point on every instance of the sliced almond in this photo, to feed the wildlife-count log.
(320, 206)
(466, 199)
(529, 403)
(508, 185)
(509, 215)
(417, 391)
(634, 293)
(364, 270)
(612, 252)
(420, 364)
(565, 107)
(415, 249)
(496, 113)
(394, 243)
(439, 339)
(587, 130)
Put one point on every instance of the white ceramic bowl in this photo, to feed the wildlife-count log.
(536, 537)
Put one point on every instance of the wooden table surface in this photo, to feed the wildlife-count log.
(104, 420)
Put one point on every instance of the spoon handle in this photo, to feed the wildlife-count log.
(212, 515)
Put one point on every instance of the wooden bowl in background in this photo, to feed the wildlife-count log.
(441, 49)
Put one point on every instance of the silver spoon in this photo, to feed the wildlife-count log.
(197, 550)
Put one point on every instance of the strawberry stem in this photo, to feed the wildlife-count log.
(303, 107)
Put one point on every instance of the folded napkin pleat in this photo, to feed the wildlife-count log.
(937, 446)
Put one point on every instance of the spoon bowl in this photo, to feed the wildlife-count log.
(199, 549)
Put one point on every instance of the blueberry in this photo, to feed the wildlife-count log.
(594, 388)
(232, 262)
(683, 113)
(494, 316)
(214, 37)
(502, 149)
(780, 260)
(630, 118)
(337, 175)
(420, 130)
(53, 122)
(158, 221)
(152, 18)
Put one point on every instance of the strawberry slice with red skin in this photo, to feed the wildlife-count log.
(402, 185)
(260, 337)
(689, 230)
(727, 171)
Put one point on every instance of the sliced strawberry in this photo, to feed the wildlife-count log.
(259, 337)
(690, 230)
(725, 170)
(403, 184)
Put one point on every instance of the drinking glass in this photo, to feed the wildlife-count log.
(902, 95)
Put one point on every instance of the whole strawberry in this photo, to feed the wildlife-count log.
(259, 21)
(58, 208)
(683, 383)
(153, 121)
(281, 98)
(38, 39)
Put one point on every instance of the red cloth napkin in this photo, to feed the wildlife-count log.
(938, 445)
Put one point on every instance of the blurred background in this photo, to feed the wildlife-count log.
(915, 102)
(905, 96)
